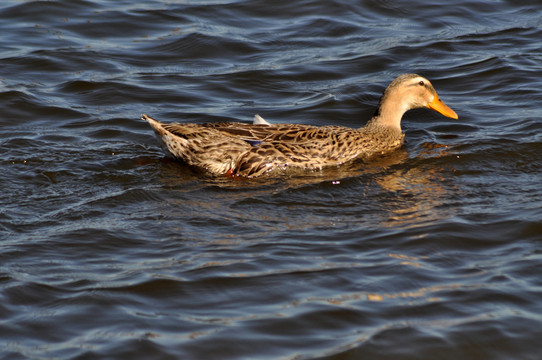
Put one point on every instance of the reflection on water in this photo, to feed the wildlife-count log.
(420, 192)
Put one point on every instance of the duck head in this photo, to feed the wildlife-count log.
(407, 92)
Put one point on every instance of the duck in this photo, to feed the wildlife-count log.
(255, 149)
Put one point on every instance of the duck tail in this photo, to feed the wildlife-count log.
(151, 121)
(173, 146)
(156, 125)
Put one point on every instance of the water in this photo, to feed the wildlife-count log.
(110, 250)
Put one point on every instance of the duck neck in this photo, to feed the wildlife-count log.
(388, 115)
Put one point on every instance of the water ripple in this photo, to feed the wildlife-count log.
(431, 251)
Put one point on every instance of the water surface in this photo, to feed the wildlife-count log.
(110, 250)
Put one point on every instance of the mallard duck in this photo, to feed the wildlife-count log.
(250, 150)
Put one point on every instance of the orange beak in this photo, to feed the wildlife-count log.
(442, 108)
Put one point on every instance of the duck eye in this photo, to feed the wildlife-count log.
(421, 83)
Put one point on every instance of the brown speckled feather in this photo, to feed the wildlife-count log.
(252, 150)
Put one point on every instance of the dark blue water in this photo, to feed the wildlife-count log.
(109, 250)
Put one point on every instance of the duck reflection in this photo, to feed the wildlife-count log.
(422, 188)
(396, 190)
